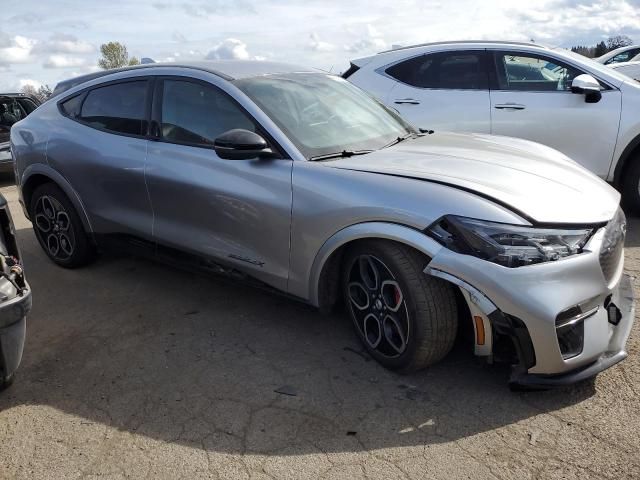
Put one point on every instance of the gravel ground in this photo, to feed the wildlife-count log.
(135, 370)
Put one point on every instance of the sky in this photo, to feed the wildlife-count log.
(45, 41)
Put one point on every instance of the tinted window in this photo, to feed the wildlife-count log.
(118, 108)
(449, 70)
(623, 57)
(197, 114)
(533, 73)
(71, 107)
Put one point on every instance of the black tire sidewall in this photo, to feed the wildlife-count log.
(416, 328)
(631, 187)
(83, 249)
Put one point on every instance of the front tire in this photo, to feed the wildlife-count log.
(406, 319)
(58, 227)
(631, 186)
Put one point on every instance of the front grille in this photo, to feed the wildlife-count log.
(613, 245)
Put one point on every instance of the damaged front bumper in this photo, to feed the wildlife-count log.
(13, 314)
(536, 306)
(621, 309)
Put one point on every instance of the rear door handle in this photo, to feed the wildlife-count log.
(408, 101)
(509, 106)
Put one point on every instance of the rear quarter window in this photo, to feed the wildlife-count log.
(455, 70)
(71, 107)
(118, 108)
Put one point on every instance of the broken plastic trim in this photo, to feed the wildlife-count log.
(501, 323)
(478, 298)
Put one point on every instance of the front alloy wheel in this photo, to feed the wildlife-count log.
(406, 319)
(377, 306)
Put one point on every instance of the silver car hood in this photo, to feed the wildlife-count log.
(536, 181)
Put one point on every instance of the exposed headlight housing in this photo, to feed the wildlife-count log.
(508, 245)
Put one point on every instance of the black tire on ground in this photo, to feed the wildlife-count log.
(429, 304)
(631, 185)
(81, 250)
(6, 382)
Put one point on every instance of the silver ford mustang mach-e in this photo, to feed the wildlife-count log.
(300, 181)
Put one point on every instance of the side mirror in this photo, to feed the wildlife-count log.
(587, 85)
(240, 144)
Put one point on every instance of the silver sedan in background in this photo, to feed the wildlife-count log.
(300, 182)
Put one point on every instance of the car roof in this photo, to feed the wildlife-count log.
(227, 69)
(458, 42)
(407, 50)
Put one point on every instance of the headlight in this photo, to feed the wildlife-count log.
(507, 245)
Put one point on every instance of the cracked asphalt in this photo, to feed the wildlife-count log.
(135, 370)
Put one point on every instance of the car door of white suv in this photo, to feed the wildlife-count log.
(446, 90)
(531, 98)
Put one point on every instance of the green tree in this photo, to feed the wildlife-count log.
(600, 50)
(115, 55)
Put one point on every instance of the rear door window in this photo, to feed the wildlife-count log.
(623, 57)
(118, 108)
(457, 70)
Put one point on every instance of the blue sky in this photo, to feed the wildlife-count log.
(46, 41)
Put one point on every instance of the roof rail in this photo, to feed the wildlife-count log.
(505, 42)
(65, 85)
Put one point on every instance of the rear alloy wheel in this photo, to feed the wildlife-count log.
(58, 227)
(406, 319)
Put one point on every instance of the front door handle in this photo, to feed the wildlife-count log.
(408, 101)
(509, 106)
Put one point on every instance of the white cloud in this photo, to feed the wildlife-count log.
(176, 36)
(371, 42)
(63, 43)
(64, 61)
(317, 45)
(309, 32)
(230, 49)
(23, 82)
(15, 49)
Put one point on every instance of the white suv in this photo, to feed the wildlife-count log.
(584, 109)
(622, 54)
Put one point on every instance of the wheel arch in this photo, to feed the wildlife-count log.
(39, 174)
(325, 270)
(624, 162)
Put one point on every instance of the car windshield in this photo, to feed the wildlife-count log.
(324, 114)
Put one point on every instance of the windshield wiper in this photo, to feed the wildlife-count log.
(342, 154)
(401, 138)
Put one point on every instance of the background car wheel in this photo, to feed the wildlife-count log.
(631, 186)
(58, 228)
(6, 382)
(406, 319)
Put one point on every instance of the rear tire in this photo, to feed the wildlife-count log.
(406, 319)
(58, 227)
(631, 185)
